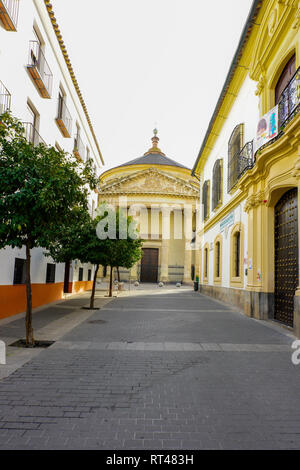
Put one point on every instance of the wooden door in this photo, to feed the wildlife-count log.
(286, 256)
(149, 265)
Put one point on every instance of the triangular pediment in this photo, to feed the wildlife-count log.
(150, 181)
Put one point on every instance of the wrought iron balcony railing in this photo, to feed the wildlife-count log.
(31, 134)
(39, 69)
(79, 149)
(9, 11)
(64, 120)
(239, 164)
(5, 99)
(289, 102)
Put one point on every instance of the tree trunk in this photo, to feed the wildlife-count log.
(28, 318)
(94, 287)
(110, 281)
(118, 271)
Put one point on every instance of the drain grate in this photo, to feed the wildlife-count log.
(21, 343)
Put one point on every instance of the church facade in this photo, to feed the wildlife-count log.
(162, 196)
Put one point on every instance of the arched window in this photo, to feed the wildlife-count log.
(205, 264)
(235, 146)
(237, 255)
(218, 260)
(287, 91)
(205, 199)
(217, 184)
(285, 77)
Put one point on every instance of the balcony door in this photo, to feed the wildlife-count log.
(285, 77)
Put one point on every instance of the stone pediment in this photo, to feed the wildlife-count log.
(150, 181)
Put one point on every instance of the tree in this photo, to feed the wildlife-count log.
(40, 188)
(80, 241)
(122, 246)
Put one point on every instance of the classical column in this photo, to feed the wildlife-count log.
(164, 257)
(188, 214)
(134, 273)
(164, 261)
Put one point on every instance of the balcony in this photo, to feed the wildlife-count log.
(64, 120)
(289, 102)
(240, 163)
(5, 99)
(31, 134)
(79, 149)
(9, 11)
(39, 69)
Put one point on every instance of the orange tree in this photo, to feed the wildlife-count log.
(40, 189)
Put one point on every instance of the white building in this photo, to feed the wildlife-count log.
(249, 169)
(38, 84)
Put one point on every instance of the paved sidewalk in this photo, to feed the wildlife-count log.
(168, 369)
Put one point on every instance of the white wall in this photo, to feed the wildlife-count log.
(14, 56)
(245, 110)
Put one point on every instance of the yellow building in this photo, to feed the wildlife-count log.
(250, 240)
(161, 194)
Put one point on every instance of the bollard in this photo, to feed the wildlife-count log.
(2, 353)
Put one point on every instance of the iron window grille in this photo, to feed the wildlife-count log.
(89, 274)
(80, 274)
(39, 69)
(64, 118)
(79, 148)
(237, 254)
(288, 105)
(205, 199)
(218, 252)
(217, 184)
(31, 134)
(235, 145)
(9, 12)
(5, 99)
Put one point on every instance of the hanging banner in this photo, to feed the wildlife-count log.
(267, 128)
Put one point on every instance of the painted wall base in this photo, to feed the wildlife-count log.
(13, 298)
(257, 305)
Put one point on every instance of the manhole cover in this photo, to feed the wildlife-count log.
(97, 322)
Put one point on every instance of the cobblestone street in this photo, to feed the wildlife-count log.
(165, 370)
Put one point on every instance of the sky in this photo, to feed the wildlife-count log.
(142, 64)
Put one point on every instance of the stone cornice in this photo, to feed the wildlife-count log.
(155, 176)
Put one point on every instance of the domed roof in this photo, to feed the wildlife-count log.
(154, 156)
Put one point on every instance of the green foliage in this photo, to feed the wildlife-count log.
(126, 248)
(40, 188)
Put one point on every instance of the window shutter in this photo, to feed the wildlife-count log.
(217, 184)
(235, 145)
(205, 199)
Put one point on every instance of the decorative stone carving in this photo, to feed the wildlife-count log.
(260, 85)
(296, 23)
(296, 170)
(272, 22)
(150, 181)
(254, 200)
